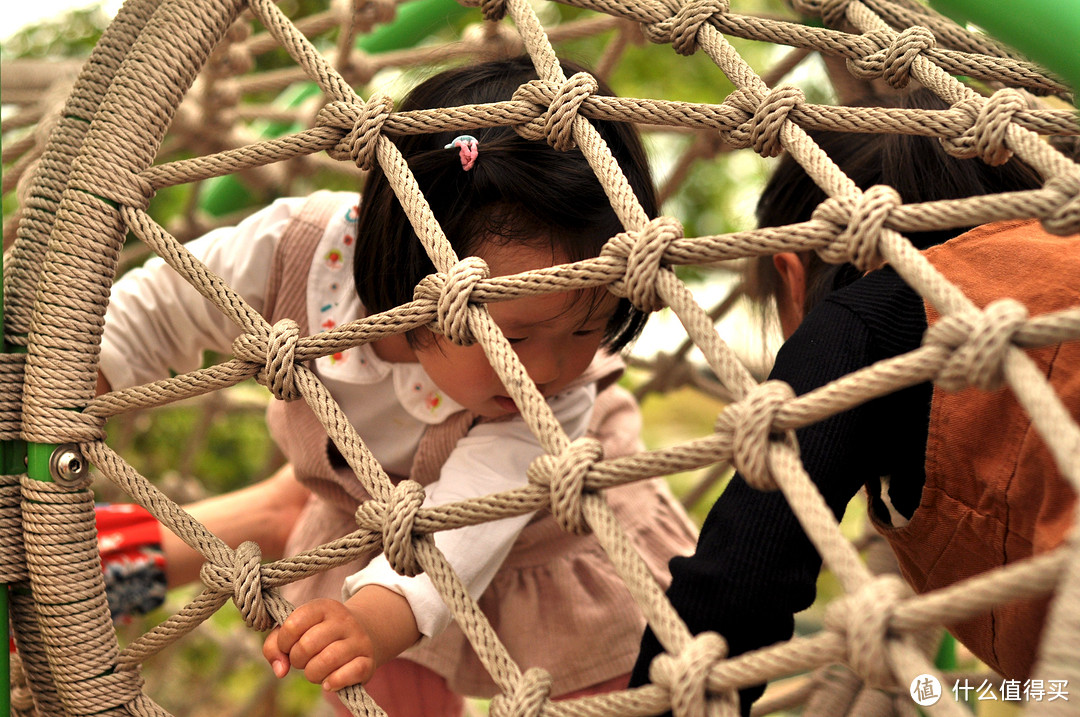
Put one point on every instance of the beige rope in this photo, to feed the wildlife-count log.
(72, 229)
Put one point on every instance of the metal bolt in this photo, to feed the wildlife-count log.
(67, 463)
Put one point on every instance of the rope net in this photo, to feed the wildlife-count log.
(93, 186)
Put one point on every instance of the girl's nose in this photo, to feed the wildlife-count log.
(542, 367)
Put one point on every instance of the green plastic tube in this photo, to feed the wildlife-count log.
(1047, 31)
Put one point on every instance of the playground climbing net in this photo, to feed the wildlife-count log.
(93, 184)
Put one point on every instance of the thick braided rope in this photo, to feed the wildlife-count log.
(876, 628)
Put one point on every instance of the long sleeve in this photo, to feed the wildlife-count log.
(754, 567)
(493, 457)
(157, 322)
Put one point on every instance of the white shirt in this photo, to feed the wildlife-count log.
(156, 322)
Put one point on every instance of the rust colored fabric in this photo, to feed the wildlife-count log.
(993, 494)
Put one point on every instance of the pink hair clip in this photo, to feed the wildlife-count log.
(468, 148)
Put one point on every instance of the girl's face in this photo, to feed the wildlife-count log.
(554, 335)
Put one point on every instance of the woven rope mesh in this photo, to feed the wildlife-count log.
(110, 153)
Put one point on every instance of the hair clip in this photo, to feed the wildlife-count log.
(468, 148)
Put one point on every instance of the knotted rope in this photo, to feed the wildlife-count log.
(750, 423)
(528, 698)
(861, 220)
(280, 360)
(685, 675)
(644, 253)
(990, 120)
(565, 476)
(681, 30)
(395, 520)
(979, 341)
(358, 145)
(767, 116)
(560, 105)
(862, 617)
(452, 293)
(891, 56)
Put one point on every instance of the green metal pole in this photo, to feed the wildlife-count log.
(12, 454)
(16, 457)
(1047, 31)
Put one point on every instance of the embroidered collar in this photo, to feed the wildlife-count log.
(332, 300)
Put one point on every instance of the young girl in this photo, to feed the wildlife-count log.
(938, 488)
(432, 410)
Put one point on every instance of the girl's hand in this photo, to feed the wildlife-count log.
(326, 640)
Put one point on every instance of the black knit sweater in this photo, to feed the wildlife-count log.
(754, 567)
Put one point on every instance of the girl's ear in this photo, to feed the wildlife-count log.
(792, 295)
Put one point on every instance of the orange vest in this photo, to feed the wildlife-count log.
(993, 494)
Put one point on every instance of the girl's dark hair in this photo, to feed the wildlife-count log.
(917, 167)
(518, 191)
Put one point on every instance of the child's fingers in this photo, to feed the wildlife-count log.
(302, 620)
(354, 672)
(333, 657)
(319, 639)
(279, 660)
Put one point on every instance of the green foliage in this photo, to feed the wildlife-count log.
(221, 443)
(218, 670)
(72, 34)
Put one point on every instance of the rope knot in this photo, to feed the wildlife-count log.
(862, 617)
(492, 10)
(769, 118)
(863, 218)
(689, 19)
(833, 12)
(901, 53)
(530, 694)
(873, 44)
(993, 122)
(231, 60)
(745, 102)
(540, 94)
(979, 341)
(686, 675)
(561, 104)
(962, 145)
(1065, 217)
(397, 527)
(644, 251)
(750, 423)
(247, 587)
(454, 290)
(358, 145)
(364, 16)
(565, 475)
(988, 123)
(279, 371)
